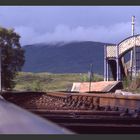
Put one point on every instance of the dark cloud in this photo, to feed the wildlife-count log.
(110, 34)
(68, 23)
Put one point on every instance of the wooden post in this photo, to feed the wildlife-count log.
(105, 64)
(131, 62)
(107, 69)
(134, 67)
(90, 77)
(0, 70)
(117, 64)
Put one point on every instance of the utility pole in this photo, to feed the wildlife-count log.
(133, 51)
(133, 25)
(117, 64)
(0, 66)
(0, 70)
(90, 76)
(105, 61)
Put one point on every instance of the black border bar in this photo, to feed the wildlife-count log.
(69, 2)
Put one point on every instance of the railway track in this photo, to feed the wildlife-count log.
(84, 113)
(93, 122)
(98, 101)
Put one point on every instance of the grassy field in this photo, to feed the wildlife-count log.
(26, 81)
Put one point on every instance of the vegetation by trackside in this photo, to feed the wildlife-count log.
(26, 81)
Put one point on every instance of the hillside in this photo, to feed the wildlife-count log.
(74, 57)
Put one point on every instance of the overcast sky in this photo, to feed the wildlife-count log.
(38, 24)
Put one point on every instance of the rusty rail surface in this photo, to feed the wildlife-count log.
(94, 122)
(86, 113)
(131, 102)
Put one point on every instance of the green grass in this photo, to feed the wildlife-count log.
(132, 85)
(26, 81)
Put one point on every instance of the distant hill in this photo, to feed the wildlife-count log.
(74, 57)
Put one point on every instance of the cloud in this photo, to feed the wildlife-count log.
(69, 23)
(110, 34)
